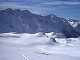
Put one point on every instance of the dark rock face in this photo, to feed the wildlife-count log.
(25, 21)
(71, 31)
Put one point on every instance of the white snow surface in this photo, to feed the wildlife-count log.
(74, 24)
(32, 47)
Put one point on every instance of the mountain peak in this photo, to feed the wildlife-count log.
(26, 11)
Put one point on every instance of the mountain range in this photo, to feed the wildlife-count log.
(24, 21)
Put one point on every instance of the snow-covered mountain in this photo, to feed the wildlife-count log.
(25, 21)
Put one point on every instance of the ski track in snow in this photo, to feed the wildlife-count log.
(32, 47)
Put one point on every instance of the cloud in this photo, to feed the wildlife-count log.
(60, 3)
(34, 9)
(42, 2)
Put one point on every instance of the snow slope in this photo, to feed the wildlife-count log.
(33, 47)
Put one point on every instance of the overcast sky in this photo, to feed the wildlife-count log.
(63, 8)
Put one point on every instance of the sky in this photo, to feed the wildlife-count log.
(62, 8)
